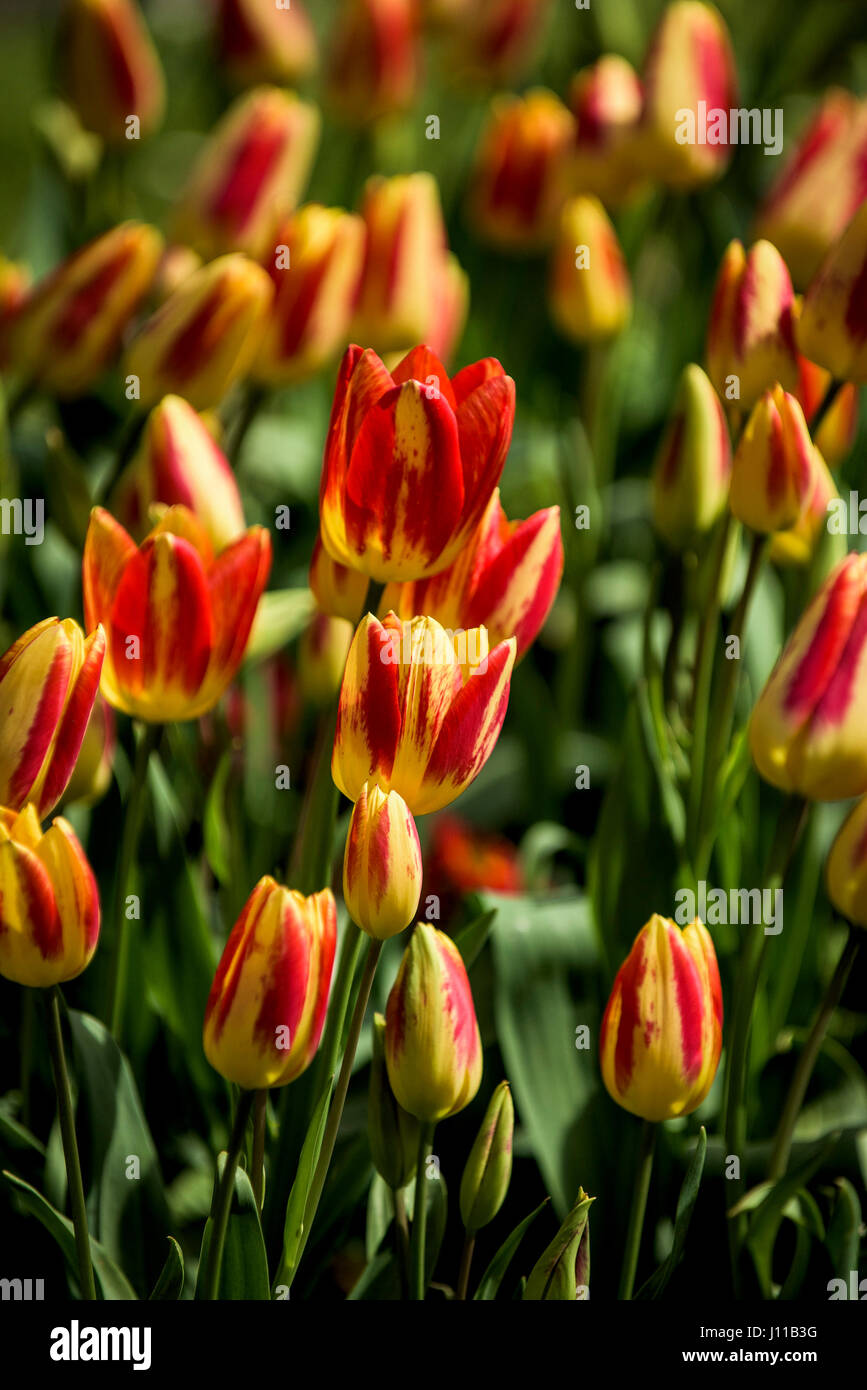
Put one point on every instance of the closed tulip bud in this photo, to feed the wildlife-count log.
(689, 74)
(433, 1050)
(260, 41)
(808, 731)
(322, 657)
(837, 428)
(606, 101)
(489, 1167)
(693, 464)
(338, 590)
(91, 776)
(562, 1273)
(505, 579)
(420, 710)
(112, 71)
(373, 66)
(179, 461)
(316, 269)
(589, 293)
(70, 327)
(832, 329)
(391, 1130)
(496, 41)
(382, 871)
(817, 192)
(846, 867)
(266, 1009)
(176, 617)
(411, 460)
(517, 182)
(799, 543)
(48, 683)
(49, 905)
(205, 336)
(662, 1028)
(249, 175)
(751, 330)
(773, 472)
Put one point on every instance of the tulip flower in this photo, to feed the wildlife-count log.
(751, 329)
(70, 326)
(316, 272)
(798, 544)
(382, 870)
(111, 69)
(411, 460)
(322, 656)
(589, 292)
(562, 1272)
(808, 730)
(837, 429)
(179, 461)
(818, 191)
(176, 618)
(606, 101)
(48, 683)
(91, 776)
(505, 579)
(249, 175)
(690, 69)
(846, 867)
(420, 710)
(433, 1050)
(693, 464)
(338, 590)
(464, 859)
(661, 1032)
(488, 1170)
(495, 41)
(517, 183)
(374, 61)
(392, 1132)
(205, 336)
(261, 41)
(773, 474)
(832, 329)
(266, 1009)
(49, 905)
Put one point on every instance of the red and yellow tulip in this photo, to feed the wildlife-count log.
(517, 183)
(773, 472)
(111, 68)
(832, 330)
(837, 429)
(338, 590)
(751, 329)
(260, 41)
(846, 867)
(606, 101)
(382, 870)
(692, 470)
(589, 291)
(373, 66)
(798, 544)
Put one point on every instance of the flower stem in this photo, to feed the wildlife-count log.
(223, 1196)
(419, 1214)
(70, 1145)
(643, 1170)
(257, 1164)
(309, 868)
(401, 1228)
(149, 737)
(702, 677)
(466, 1263)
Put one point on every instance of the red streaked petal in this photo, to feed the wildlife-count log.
(469, 378)
(73, 723)
(422, 364)
(163, 601)
(107, 550)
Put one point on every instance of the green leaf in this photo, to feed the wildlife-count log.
(293, 1227)
(112, 1282)
(380, 1281)
(380, 1214)
(282, 614)
(493, 1276)
(471, 938)
(15, 1134)
(655, 1285)
(244, 1272)
(215, 825)
(844, 1229)
(170, 1284)
(773, 1207)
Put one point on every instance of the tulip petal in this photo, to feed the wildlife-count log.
(368, 715)
(107, 550)
(236, 584)
(423, 365)
(73, 724)
(485, 417)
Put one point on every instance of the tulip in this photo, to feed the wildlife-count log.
(808, 731)
(846, 867)
(48, 684)
(689, 61)
(205, 336)
(488, 1169)
(466, 860)
(693, 464)
(176, 619)
(495, 41)
(562, 1272)
(773, 472)
(382, 870)
(91, 776)
(70, 326)
(420, 710)
(837, 428)
(322, 657)
(662, 1029)
(374, 60)
(411, 460)
(49, 905)
(316, 272)
(505, 579)
(798, 544)
(179, 461)
(751, 329)
(112, 70)
(266, 1009)
(589, 292)
(433, 1050)
(832, 330)
(338, 590)
(260, 41)
(249, 175)
(517, 182)
(606, 101)
(393, 1134)
(816, 194)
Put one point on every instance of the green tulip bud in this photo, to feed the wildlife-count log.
(489, 1166)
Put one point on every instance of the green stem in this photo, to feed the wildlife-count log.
(129, 438)
(643, 1170)
(223, 1197)
(338, 1005)
(702, 676)
(149, 738)
(70, 1145)
(257, 1163)
(419, 1214)
(254, 399)
(466, 1264)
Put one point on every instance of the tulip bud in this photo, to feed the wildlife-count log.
(48, 683)
(489, 1167)
(496, 41)
(374, 62)
(662, 1029)
(70, 326)
(562, 1273)
(837, 428)
(832, 329)
(49, 905)
(589, 291)
(606, 101)
(260, 41)
(392, 1132)
(322, 657)
(773, 474)
(808, 731)
(846, 867)
(689, 74)
(91, 775)
(204, 337)
(751, 330)
(815, 195)
(693, 464)
(338, 590)
(382, 872)
(518, 178)
(798, 544)
(112, 70)
(250, 174)
(433, 1050)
